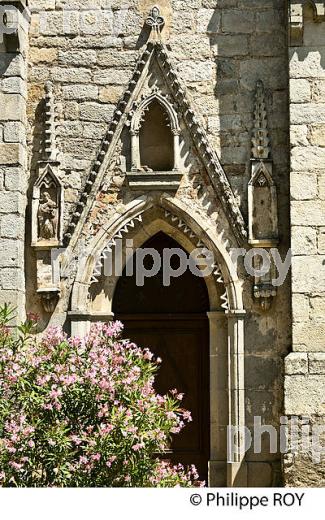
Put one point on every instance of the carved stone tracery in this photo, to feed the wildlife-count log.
(138, 118)
(156, 50)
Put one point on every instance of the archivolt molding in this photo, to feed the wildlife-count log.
(121, 115)
(121, 233)
(200, 245)
(192, 227)
(297, 18)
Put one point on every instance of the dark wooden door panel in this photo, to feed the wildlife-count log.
(183, 345)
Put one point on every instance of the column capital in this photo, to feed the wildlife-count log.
(236, 314)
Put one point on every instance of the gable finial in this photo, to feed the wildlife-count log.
(156, 22)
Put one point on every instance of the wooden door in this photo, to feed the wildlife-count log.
(172, 322)
(182, 342)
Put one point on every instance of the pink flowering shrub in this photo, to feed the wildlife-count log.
(83, 412)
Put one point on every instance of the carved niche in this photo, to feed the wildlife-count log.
(262, 201)
(47, 208)
(262, 193)
(155, 144)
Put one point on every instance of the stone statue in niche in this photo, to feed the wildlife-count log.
(47, 217)
(47, 210)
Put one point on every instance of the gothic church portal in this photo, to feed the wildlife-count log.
(190, 124)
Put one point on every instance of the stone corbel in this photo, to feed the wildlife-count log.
(15, 19)
(50, 298)
(296, 21)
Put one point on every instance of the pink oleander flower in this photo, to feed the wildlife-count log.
(89, 405)
(138, 447)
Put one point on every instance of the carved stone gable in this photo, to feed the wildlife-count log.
(155, 91)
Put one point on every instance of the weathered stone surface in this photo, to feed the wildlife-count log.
(220, 50)
(110, 94)
(307, 213)
(304, 240)
(82, 92)
(309, 335)
(298, 135)
(304, 395)
(308, 274)
(77, 57)
(300, 307)
(304, 186)
(12, 107)
(307, 113)
(300, 91)
(230, 45)
(14, 132)
(96, 112)
(43, 55)
(71, 75)
(318, 91)
(236, 20)
(317, 305)
(317, 363)
(296, 363)
(317, 135)
(12, 154)
(12, 226)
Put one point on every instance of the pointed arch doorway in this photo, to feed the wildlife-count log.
(173, 322)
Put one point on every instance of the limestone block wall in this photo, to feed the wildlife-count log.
(305, 367)
(13, 165)
(220, 49)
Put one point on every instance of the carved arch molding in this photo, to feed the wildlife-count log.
(226, 319)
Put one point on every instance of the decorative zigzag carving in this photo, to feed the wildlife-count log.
(208, 156)
(176, 221)
(109, 248)
(187, 231)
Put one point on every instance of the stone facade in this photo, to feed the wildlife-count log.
(13, 161)
(69, 150)
(305, 367)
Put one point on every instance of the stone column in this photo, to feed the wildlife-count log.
(176, 151)
(13, 155)
(135, 151)
(227, 397)
(237, 468)
(219, 416)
